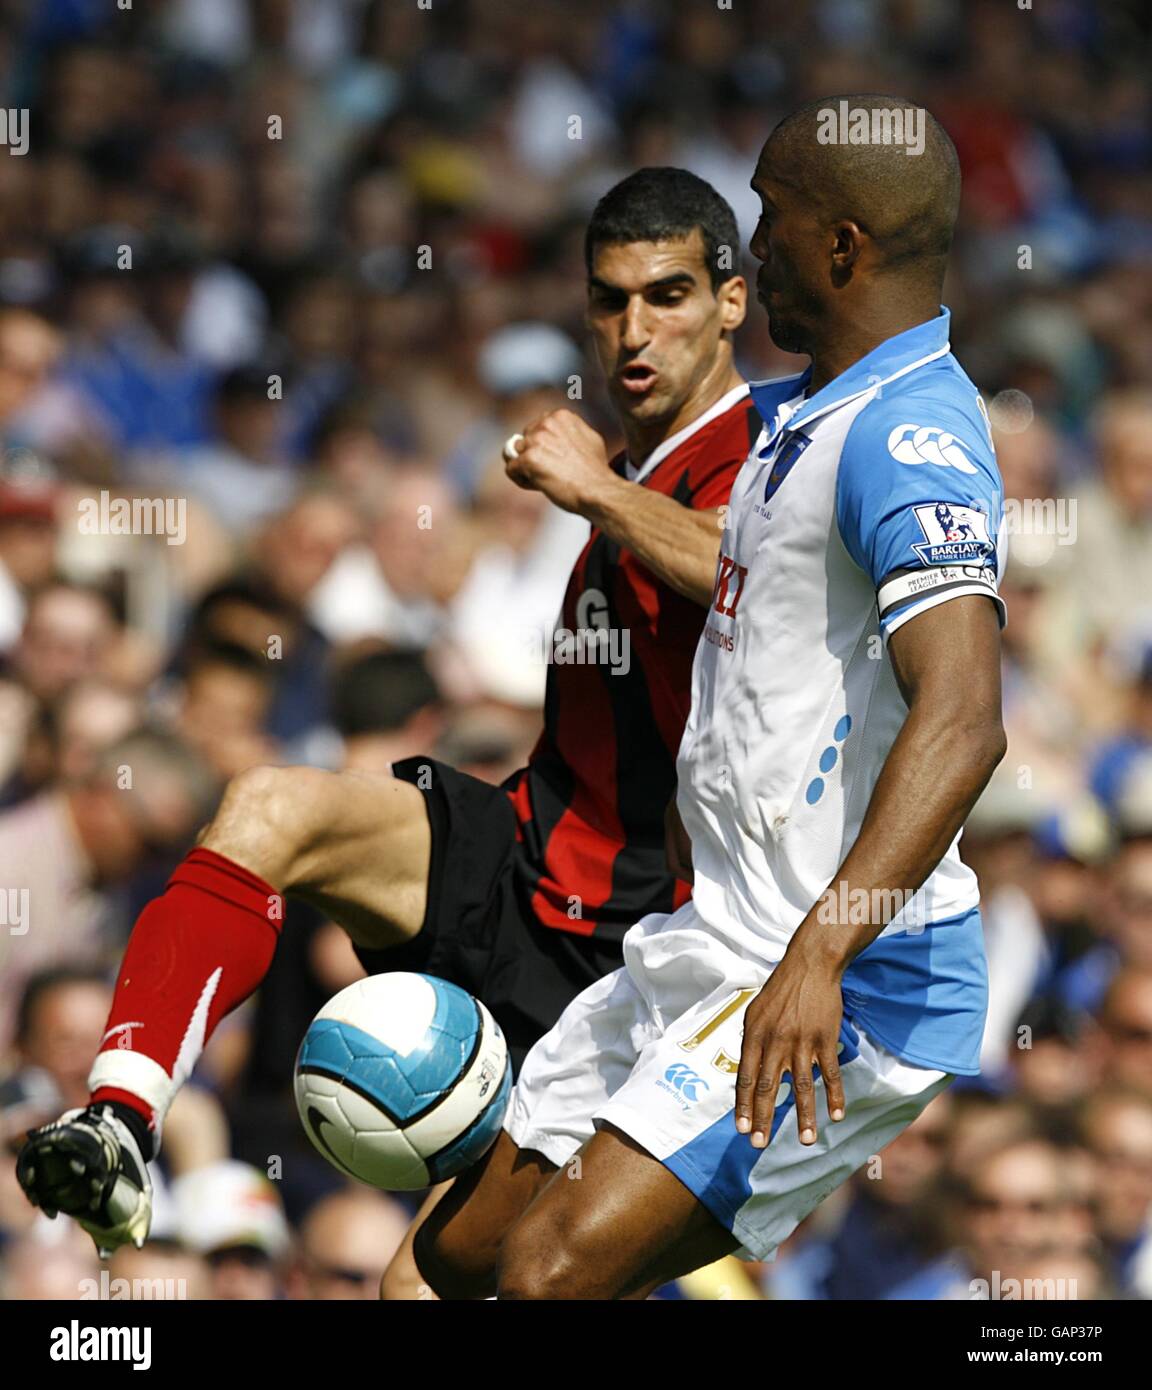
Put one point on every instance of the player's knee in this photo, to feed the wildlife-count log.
(542, 1275)
(541, 1261)
(268, 818)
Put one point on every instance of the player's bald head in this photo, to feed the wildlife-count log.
(878, 161)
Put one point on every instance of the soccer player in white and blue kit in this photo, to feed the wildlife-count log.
(827, 980)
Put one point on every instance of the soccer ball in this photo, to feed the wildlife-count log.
(402, 1080)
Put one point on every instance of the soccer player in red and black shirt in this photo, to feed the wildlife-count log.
(520, 894)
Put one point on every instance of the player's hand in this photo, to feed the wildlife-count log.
(562, 457)
(677, 845)
(791, 1025)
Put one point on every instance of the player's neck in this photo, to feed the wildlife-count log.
(847, 342)
(643, 437)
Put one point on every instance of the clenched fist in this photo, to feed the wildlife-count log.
(562, 457)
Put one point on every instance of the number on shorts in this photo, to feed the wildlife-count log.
(723, 1062)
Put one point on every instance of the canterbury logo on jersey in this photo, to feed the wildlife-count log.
(730, 579)
(926, 444)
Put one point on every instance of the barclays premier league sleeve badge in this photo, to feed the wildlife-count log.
(953, 535)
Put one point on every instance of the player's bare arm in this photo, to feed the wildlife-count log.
(563, 457)
(947, 663)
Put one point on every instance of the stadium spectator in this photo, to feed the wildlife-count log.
(242, 474)
(230, 1214)
(250, 613)
(385, 706)
(28, 528)
(66, 636)
(48, 1263)
(61, 1017)
(225, 698)
(888, 1231)
(63, 851)
(1126, 1023)
(346, 1243)
(1116, 1128)
(1023, 1203)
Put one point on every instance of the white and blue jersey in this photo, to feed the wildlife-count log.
(860, 506)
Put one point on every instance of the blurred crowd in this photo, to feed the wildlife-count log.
(284, 274)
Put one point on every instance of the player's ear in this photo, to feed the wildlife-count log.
(847, 244)
(733, 298)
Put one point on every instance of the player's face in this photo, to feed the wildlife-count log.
(657, 324)
(786, 242)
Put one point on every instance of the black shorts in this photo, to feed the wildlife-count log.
(479, 930)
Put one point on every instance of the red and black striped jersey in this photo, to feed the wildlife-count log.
(590, 804)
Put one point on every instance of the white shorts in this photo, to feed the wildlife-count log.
(653, 1048)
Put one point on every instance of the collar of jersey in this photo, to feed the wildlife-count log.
(893, 358)
(661, 451)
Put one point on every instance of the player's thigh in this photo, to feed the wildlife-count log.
(402, 1281)
(457, 1248)
(357, 845)
(616, 1225)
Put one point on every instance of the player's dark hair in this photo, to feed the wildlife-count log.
(665, 204)
(381, 692)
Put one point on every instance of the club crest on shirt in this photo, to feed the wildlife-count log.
(953, 535)
(791, 447)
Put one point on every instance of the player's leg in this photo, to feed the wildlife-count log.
(626, 1227)
(527, 975)
(613, 1223)
(567, 1076)
(457, 1247)
(666, 1183)
(402, 1281)
(664, 1189)
(354, 843)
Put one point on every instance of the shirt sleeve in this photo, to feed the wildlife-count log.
(919, 505)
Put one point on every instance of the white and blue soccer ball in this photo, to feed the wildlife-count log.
(402, 1080)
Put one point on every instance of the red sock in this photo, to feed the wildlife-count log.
(195, 953)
